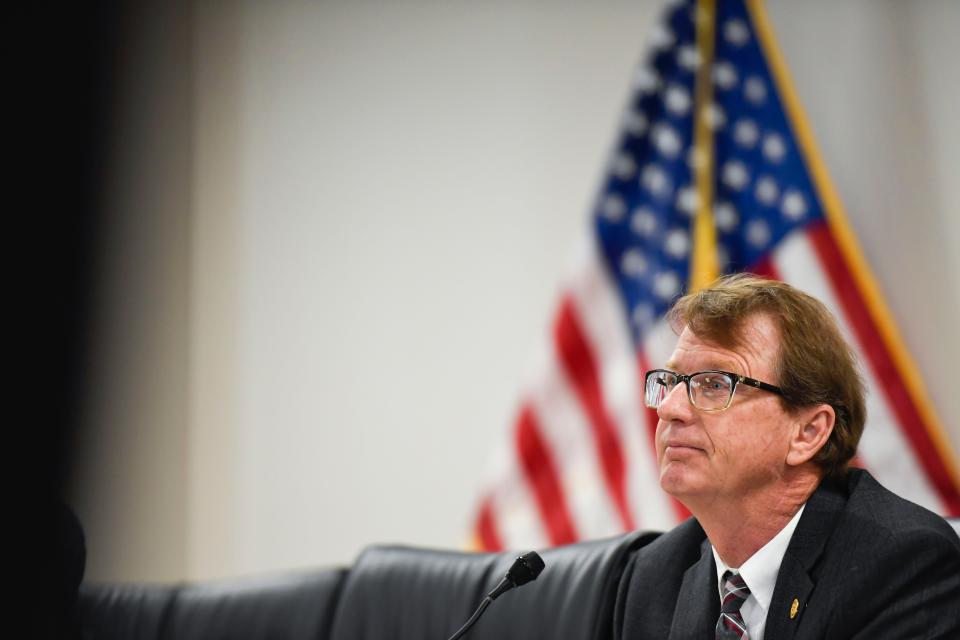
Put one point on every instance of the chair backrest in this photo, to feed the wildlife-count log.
(399, 592)
(296, 605)
(390, 592)
(114, 611)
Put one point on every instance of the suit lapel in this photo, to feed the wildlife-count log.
(794, 585)
(796, 580)
(698, 603)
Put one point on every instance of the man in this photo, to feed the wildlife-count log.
(761, 408)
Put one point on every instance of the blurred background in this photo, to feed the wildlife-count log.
(314, 245)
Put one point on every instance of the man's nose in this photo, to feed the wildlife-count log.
(676, 405)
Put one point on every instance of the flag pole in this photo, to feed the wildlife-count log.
(704, 266)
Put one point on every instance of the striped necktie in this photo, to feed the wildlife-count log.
(730, 626)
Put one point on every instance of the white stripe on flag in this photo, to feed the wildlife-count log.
(884, 448)
(659, 343)
(514, 509)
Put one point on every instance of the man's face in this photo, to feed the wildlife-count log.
(710, 456)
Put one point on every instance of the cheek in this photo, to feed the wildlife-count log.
(660, 438)
(766, 437)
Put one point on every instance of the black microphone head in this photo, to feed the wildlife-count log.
(525, 568)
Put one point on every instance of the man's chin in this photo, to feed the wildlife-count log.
(678, 482)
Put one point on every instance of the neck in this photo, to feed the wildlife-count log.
(739, 527)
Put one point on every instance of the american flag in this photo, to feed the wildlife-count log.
(715, 171)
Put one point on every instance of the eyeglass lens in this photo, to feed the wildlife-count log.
(708, 390)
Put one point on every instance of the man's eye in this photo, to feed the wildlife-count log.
(713, 384)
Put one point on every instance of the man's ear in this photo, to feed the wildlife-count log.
(811, 430)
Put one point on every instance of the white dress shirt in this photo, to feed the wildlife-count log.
(760, 573)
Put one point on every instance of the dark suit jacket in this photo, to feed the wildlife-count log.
(862, 563)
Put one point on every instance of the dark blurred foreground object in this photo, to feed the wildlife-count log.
(390, 592)
(51, 559)
(70, 559)
(62, 74)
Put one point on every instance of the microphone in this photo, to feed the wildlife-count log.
(524, 569)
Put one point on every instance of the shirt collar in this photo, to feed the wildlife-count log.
(761, 569)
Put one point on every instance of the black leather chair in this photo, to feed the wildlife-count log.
(295, 605)
(395, 592)
(390, 592)
(124, 611)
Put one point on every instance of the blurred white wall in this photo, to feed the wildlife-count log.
(343, 227)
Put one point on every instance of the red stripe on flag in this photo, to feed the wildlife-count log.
(650, 416)
(578, 361)
(765, 268)
(874, 349)
(537, 464)
(486, 527)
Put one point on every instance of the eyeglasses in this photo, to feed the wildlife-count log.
(707, 390)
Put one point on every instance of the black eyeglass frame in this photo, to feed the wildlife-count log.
(737, 379)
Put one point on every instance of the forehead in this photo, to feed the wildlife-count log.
(754, 355)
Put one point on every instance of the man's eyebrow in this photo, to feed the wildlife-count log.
(713, 365)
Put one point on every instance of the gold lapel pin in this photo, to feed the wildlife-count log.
(793, 608)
